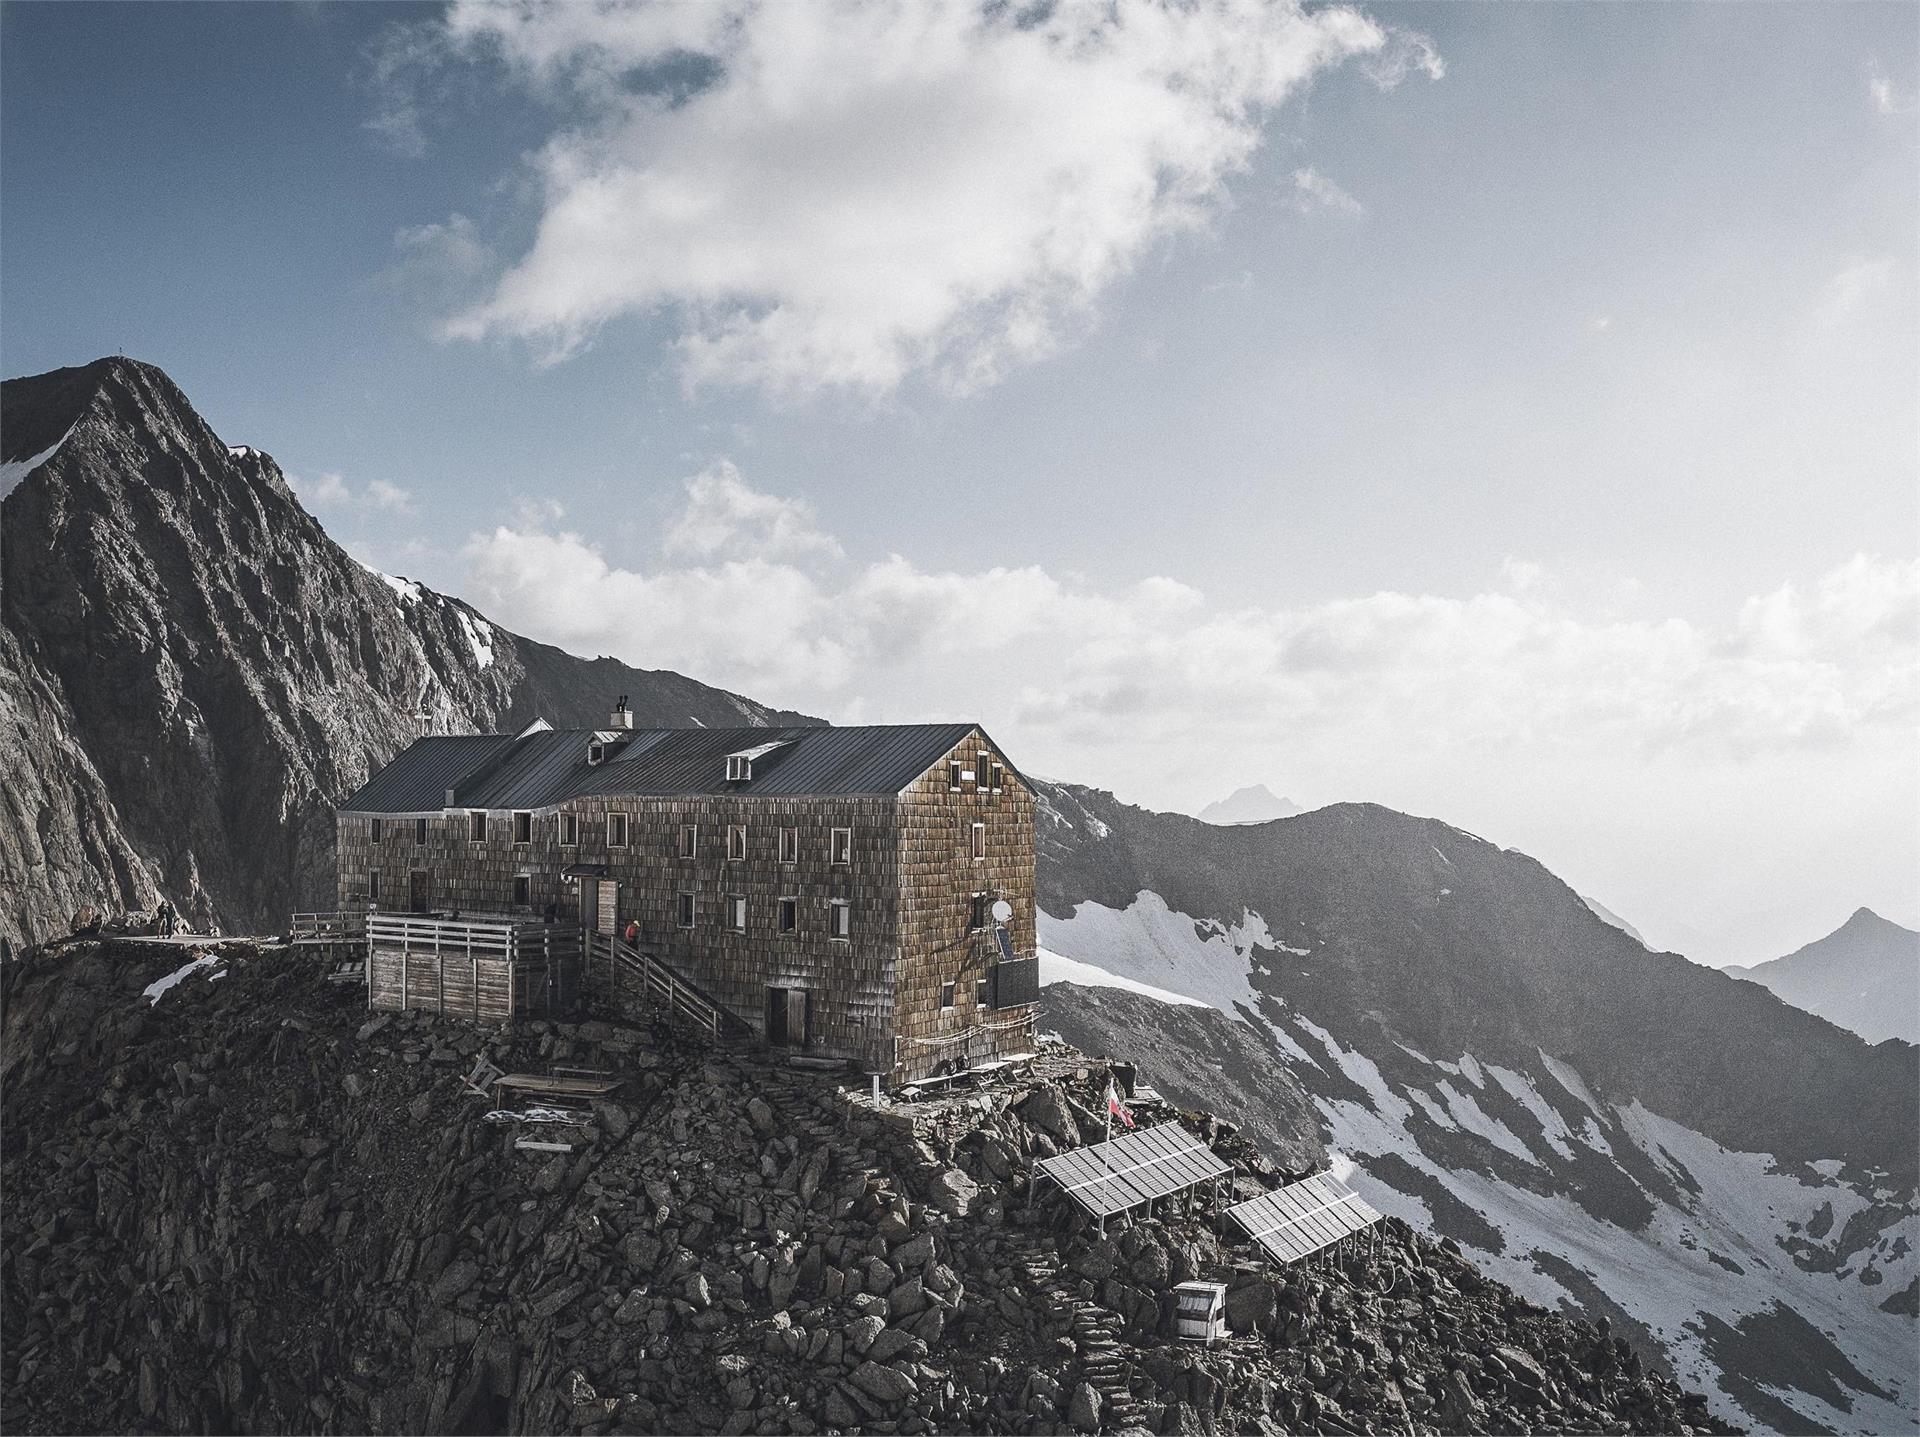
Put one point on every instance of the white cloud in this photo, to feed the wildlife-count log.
(1314, 191)
(1097, 680)
(1886, 99)
(1850, 289)
(330, 491)
(724, 518)
(835, 195)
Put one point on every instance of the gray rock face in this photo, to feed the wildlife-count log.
(192, 672)
(198, 1210)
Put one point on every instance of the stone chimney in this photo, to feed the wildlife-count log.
(622, 715)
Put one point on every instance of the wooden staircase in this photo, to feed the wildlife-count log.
(630, 981)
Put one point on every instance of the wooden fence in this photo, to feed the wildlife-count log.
(486, 968)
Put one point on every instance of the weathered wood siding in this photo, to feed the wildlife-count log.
(939, 877)
(440, 984)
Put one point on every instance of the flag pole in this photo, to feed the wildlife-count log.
(1103, 1147)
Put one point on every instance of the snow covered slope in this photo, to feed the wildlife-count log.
(1590, 1121)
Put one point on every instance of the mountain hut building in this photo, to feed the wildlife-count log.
(864, 894)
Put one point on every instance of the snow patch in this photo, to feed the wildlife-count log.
(407, 589)
(1569, 1078)
(1468, 1113)
(1661, 1273)
(14, 470)
(160, 987)
(1150, 943)
(1520, 1088)
(1057, 969)
(479, 637)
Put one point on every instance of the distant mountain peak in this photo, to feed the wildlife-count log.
(1255, 803)
(1864, 976)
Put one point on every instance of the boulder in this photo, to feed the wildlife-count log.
(887, 1385)
(1083, 1409)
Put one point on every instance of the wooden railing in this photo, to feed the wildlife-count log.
(659, 985)
(482, 933)
(346, 925)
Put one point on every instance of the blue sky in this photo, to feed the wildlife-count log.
(1505, 413)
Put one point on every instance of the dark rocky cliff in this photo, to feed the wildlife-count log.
(249, 1207)
(191, 671)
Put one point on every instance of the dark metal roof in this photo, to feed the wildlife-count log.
(417, 781)
(683, 762)
(549, 767)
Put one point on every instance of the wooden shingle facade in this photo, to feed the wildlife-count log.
(861, 894)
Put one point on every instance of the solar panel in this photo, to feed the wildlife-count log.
(1301, 1218)
(1113, 1176)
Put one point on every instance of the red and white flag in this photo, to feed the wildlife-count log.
(1114, 1107)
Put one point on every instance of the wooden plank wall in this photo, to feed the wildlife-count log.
(939, 876)
(442, 984)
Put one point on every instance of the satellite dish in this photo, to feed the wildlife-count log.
(1002, 910)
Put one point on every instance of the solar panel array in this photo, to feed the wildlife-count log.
(1113, 1176)
(1301, 1218)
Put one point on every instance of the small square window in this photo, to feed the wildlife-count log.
(946, 996)
(979, 841)
(687, 901)
(689, 840)
(839, 920)
(789, 914)
(419, 833)
(737, 913)
(789, 845)
(840, 846)
(375, 830)
(736, 842)
(616, 830)
(523, 828)
(569, 830)
(477, 827)
(522, 891)
(739, 768)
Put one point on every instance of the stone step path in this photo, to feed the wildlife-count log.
(1103, 1363)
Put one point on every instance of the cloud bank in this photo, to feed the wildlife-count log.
(836, 196)
(751, 594)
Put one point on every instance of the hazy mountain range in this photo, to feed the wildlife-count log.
(1864, 976)
(1254, 804)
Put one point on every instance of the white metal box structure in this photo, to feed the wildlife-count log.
(1200, 1312)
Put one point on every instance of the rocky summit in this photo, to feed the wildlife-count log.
(192, 672)
(237, 1202)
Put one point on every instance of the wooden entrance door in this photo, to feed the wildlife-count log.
(420, 891)
(787, 1010)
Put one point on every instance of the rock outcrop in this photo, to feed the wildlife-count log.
(240, 1203)
(191, 671)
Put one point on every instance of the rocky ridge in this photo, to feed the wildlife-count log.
(192, 672)
(1609, 1130)
(241, 1203)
